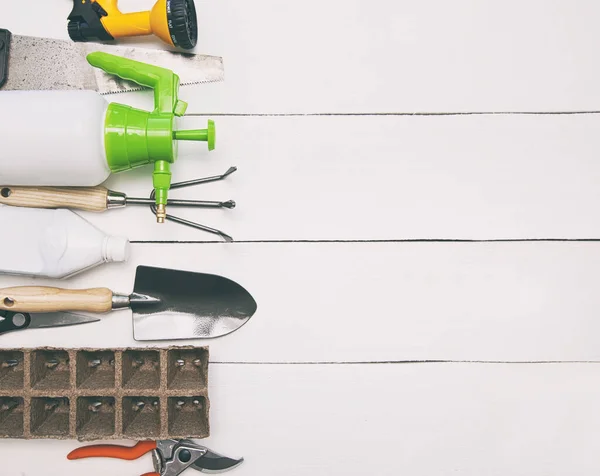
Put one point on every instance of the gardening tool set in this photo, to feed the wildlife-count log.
(61, 140)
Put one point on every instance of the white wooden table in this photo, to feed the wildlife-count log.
(418, 195)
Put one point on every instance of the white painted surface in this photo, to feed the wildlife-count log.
(383, 178)
(384, 55)
(359, 302)
(348, 178)
(419, 419)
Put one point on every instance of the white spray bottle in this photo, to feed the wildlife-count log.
(77, 139)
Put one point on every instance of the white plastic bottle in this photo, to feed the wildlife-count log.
(53, 138)
(54, 243)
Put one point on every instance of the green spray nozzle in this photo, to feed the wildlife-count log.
(134, 137)
(206, 135)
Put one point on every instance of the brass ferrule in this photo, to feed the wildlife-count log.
(161, 213)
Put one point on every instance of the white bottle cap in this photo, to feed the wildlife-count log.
(116, 248)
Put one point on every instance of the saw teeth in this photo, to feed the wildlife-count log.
(133, 90)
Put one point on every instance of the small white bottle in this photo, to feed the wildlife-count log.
(54, 243)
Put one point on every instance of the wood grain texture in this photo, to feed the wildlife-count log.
(91, 199)
(48, 299)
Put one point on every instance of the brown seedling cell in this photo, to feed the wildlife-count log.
(187, 368)
(11, 370)
(95, 417)
(141, 369)
(141, 417)
(187, 416)
(95, 370)
(11, 417)
(104, 394)
(50, 370)
(49, 417)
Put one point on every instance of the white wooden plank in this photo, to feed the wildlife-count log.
(422, 420)
(384, 55)
(373, 178)
(376, 302)
(403, 56)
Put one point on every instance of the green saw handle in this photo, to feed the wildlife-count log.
(164, 82)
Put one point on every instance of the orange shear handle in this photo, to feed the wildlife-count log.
(115, 451)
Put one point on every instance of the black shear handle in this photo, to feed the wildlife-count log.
(13, 321)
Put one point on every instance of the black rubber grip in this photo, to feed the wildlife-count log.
(183, 23)
(85, 24)
(5, 37)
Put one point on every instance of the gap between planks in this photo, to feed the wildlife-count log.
(403, 362)
(417, 240)
(368, 114)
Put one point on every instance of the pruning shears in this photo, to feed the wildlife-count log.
(170, 457)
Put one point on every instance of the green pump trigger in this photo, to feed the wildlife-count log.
(134, 137)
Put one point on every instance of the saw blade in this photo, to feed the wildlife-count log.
(37, 63)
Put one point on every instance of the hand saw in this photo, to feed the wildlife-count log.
(35, 63)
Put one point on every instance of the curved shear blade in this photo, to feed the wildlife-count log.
(213, 462)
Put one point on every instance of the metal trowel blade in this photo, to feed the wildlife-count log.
(172, 305)
(37, 63)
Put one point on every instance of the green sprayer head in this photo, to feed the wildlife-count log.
(134, 137)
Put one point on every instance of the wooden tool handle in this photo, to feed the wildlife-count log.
(46, 299)
(91, 199)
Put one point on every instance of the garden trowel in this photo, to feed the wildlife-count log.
(167, 304)
(35, 63)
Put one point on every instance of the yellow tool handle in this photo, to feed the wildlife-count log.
(110, 6)
(47, 299)
(91, 199)
(120, 24)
